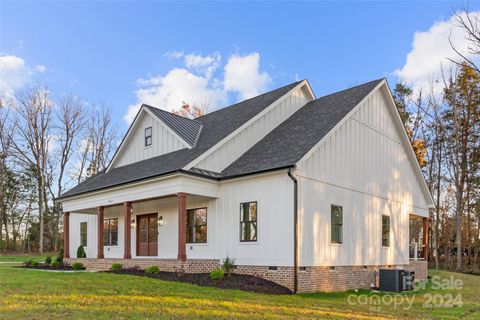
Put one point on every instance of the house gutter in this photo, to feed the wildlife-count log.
(295, 229)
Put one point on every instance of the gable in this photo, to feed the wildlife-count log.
(368, 153)
(133, 149)
(229, 150)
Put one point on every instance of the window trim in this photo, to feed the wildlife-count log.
(86, 234)
(109, 243)
(249, 221)
(388, 234)
(149, 136)
(206, 225)
(331, 225)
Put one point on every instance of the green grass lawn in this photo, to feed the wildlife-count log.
(23, 258)
(34, 294)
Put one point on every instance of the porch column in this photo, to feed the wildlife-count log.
(100, 232)
(182, 226)
(425, 238)
(127, 254)
(66, 235)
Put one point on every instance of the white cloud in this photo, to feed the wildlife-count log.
(430, 52)
(40, 68)
(173, 54)
(200, 82)
(203, 64)
(14, 74)
(242, 75)
(169, 91)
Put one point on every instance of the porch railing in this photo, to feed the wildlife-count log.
(417, 252)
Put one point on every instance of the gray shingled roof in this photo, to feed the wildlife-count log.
(215, 126)
(293, 138)
(186, 128)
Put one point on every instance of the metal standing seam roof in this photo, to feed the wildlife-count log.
(187, 129)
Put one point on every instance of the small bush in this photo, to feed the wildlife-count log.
(60, 255)
(48, 260)
(35, 264)
(116, 266)
(58, 259)
(28, 263)
(217, 274)
(228, 265)
(78, 266)
(56, 264)
(152, 269)
(81, 252)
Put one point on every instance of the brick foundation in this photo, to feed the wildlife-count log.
(169, 265)
(420, 268)
(310, 279)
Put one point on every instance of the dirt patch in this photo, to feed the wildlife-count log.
(232, 281)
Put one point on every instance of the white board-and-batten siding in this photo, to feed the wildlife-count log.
(232, 149)
(274, 197)
(363, 167)
(163, 141)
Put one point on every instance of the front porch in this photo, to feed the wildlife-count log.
(147, 231)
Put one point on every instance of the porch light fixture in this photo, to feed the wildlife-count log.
(132, 223)
(160, 221)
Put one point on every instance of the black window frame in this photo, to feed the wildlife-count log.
(83, 234)
(243, 237)
(385, 232)
(191, 227)
(148, 137)
(336, 225)
(107, 233)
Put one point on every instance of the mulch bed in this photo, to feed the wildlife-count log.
(48, 267)
(232, 281)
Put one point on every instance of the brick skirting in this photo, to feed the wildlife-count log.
(310, 279)
(169, 265)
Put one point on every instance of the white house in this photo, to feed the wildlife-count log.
(314, 194)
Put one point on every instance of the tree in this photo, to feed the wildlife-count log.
(5, 150)
(469, 22)
(70, 124)
(412, 121)
(31, 143)
(462, 138)
(190, 111)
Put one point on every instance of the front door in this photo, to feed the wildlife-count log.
(147, 235)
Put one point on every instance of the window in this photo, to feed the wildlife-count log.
(197, 225)
(110, 232)
(148, 136)
(83, 234)
(248, 221)
(337, 224)
(385, 231)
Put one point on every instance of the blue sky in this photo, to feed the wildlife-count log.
(102, 51)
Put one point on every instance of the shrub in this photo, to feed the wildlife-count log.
(48, 260)
(60, 255)
(28, 263)
(58, 259)
(152, 269)
(35, 264)
(56, 264)
(217, 274)
(228, 265)
(81, 252)
(116, 266)
(78, 266)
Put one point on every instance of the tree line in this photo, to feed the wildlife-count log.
(47, 145)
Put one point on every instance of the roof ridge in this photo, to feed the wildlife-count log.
(262, 94)
(354, 87)
(171, 113)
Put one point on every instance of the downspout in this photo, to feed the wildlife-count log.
(295, 230)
